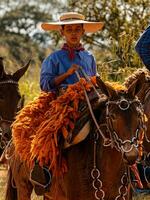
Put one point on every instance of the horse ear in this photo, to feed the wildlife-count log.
(20, 72)
(105, 88)
(2, 71)
(137, 85)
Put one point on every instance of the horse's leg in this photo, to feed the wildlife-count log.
(47, 198)
(20, 173)
(24, 186)
(57, 191)
(24, 191)
(11, 192)
(21, 190)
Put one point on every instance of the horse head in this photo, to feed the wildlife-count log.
(10, 100)
(122, 119)
(142, 77)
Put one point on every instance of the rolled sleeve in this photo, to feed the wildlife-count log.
(142, 47)
(48, 74)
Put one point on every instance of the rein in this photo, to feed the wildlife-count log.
(124, 104)
(4, 136)
(106, 140)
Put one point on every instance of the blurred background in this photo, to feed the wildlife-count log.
(113, 47)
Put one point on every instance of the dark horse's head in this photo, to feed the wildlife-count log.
(9, 101)
(122, 120)
(142, 76)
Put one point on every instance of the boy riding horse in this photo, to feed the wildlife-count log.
(58, 69)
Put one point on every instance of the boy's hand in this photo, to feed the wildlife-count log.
(72, 69)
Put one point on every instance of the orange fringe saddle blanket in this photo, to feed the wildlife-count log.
(37, 127)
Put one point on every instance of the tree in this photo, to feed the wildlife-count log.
(20, 37)
(113, 46)
(121, 17)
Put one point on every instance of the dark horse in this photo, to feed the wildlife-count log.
(97, 164)
(10, 101)
(143, 78)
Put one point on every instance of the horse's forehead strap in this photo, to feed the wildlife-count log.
(123, 103)
(8, 82)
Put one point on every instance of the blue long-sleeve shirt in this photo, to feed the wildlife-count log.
(143, 47)
(58, 63)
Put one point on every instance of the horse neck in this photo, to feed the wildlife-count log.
(80, 159)
(144, 97)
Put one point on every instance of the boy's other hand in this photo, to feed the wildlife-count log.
(72, 69)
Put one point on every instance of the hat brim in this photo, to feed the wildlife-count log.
(89, 27)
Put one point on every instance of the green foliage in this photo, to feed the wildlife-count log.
(29, 83)
(29, 89)
(114, 45)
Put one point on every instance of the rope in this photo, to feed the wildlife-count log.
(106, 140)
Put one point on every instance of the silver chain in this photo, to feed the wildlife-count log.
(95, 174)
(123, 190)
(97, 183)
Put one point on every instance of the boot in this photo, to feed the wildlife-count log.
(41, 178)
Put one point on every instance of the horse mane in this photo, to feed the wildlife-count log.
(117, 86)
(129, 80)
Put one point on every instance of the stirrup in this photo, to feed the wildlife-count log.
(38, 183)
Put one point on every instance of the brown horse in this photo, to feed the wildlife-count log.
(143, 77)
(10, 101)
(97, 165)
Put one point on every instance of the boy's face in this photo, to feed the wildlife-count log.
(72, 33)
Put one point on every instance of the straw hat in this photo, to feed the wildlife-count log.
(72, 18)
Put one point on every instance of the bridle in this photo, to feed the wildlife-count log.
(4, 135)
(114, 140)
(124, 104)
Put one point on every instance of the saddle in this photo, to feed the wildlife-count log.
(82, 126)
(40, 176)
